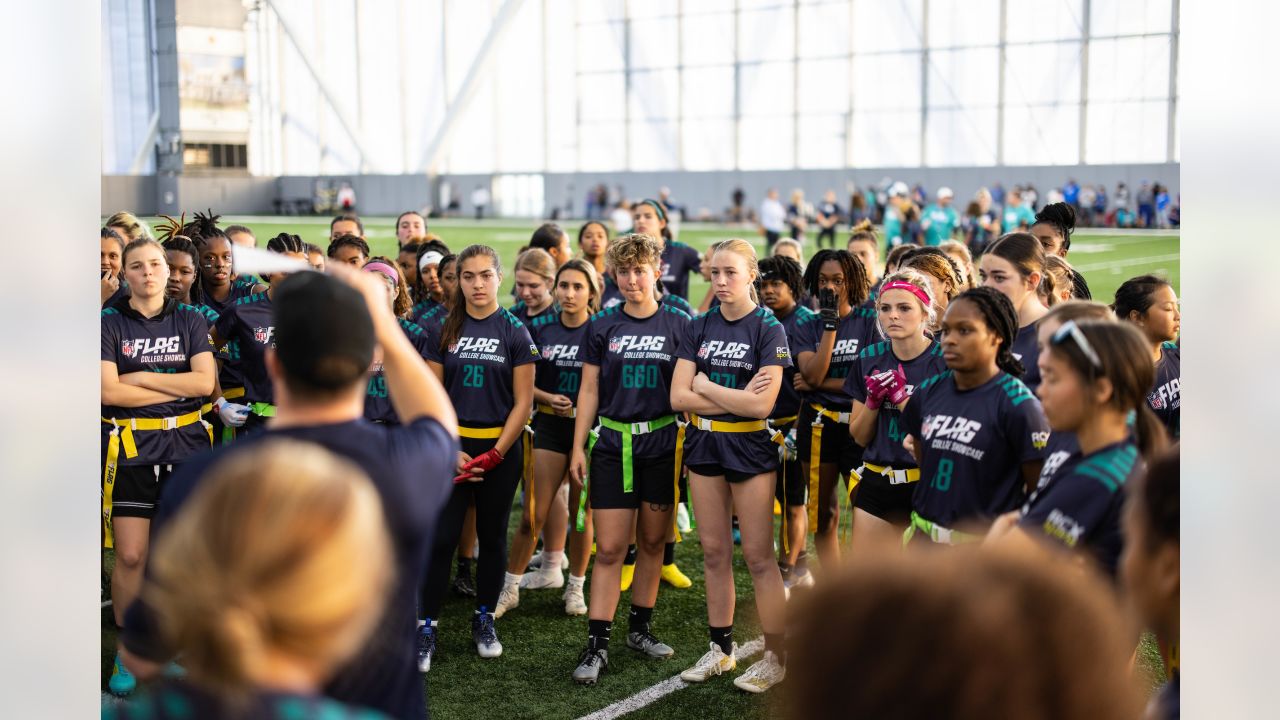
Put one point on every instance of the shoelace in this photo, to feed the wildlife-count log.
(590, 657)
(487, 633)
(426, 640)
(647, 640)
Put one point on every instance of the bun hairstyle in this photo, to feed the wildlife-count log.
(593, 279)
(999, 315)
(864, 231)
(1062, 277)
(747, 252)
(1062, 218)
(912, 277)
(251, 569)
(458, 310)
(1025, 253)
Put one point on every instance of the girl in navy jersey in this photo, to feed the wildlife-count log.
(377, 402)
(157, 370)
(250, 325)
(1095, 376)
(485, 358)
(560, 337)
(678, 260)
(881, 383)
(944, 279)
(977, 433)
(1014, 265)
(727, 378)
(1150, 303)
(864, 244)
(426, 289)
(628, 359)
(112, 279)
(826, 347)
(593, 243)
(535, 278)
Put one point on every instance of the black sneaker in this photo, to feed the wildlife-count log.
(646, 643)
(426, 647)
(591, 663)
(464, 586)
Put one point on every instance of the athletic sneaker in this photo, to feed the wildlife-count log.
(646, 643)
(426, 646)
(672, 576)
(484, 635)
(122, 681)
(535, 562)
(591, 663)
(543, 579)
(761, 676)
(508, 599)
(682, 518)
(463, 585)
(795, 580)
(575, 602)
(628, 574)
(715, 662)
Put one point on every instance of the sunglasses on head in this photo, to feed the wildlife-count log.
(1070, 330)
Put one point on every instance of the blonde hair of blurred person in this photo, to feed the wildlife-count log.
(790, 248)
(959, 252)
(129, 226)
(276, 574)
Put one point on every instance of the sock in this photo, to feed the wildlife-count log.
(512, 580)
(638, 620)
(598, 634)
(421, 623)
(785, 569)
(551, 560)
(631, 556)
(723, 636)
(774, 642)
(575, 581)
(669, 554)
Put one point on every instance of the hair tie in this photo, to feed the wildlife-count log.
(902, 285)
(383, 268)
(431, 257)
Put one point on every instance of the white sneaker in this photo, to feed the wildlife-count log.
(715, 662)
(542, 579)
(682, 518)
(535, 562)
(484, 635)
(575, 603)
(507, 600)
(761, 676)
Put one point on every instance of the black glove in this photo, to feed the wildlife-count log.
(828, 309)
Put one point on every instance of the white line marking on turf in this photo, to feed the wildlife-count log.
(1125, 263)
(662, 689)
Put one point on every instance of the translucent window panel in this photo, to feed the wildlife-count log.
(654, 94)
(959, 138)
(964, 78)
(704, 7)
(652, 9)
(708, 144)
(562, 88)
(653, 145)
(461, 17)
(601, 97)
(821, 141)
(708, 92)
(824, 86)
(766, 34)
(766, 143)
(757, 4)
(472, 146)
(653, 43)
(960, 23)
(1129, 17)
(1127, 132)
(595, 11)
(1042, 74)
(1042, 135)
(886, 82)
(886, 139)
(1129, 69)
(707, 39)
(602, 146)
(880, 26)
(1043, 20)
(601, 47)
(824, 30)
(766, 89)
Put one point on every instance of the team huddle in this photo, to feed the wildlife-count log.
(950, 399)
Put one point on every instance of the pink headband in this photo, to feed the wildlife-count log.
(383, 268)
(900, 285)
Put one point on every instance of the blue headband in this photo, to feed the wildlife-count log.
(662, 214)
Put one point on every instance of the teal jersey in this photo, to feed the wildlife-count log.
(942, 223)
(1014, 217)
(892, 227)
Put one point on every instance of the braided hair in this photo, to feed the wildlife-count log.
(346, 240)
(286, 243)
(1062, 218)
(999, 315)
(785, 270)
(857, 284)
(203, 227)
(182, 243)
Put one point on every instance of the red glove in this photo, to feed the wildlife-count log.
(876, 391)
(483, 462)
(896, 386)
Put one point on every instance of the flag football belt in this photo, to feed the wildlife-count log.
(628, 430)
(526, 451)
(780, 427)
(546, 409)
(936, 532)
(815, 454)
(741, 426)
(122, 437)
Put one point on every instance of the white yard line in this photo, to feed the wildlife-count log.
(1154, 259)
(666, 687)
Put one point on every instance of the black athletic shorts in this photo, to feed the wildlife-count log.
(715, 470)
(838, 446)
(792, 487)
(877, 496)
(552, 432)
(653, 481)
(136, 489)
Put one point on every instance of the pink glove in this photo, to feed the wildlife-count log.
(896, 387)
(483, 462)
(876, 391)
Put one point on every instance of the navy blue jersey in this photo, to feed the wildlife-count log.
(1027, 350)
(873, 295)
(1063, 446)
(855, 331)
(411, 467)
(1080, 507)
(1165, 397)
(164, 344)
(121, 292)
(239, 290)
(560, 354)
(788, 404)
(521, 311)
(610, 295)
(377, 403)
(479, 366)
(974, 443)
(636, 357)
(250, 324)
(432, 318)
(678, 260)
(886, 447)
(422, 308)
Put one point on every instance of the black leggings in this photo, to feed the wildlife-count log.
(493, 497)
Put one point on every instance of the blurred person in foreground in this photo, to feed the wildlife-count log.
(244, 583)
(328, 330)
(963, 634)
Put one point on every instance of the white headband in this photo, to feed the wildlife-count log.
(430, 258)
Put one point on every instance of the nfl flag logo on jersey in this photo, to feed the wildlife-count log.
(260, 334)
(1155, 401)
(126, 348)
(615, 345)
(702, 351)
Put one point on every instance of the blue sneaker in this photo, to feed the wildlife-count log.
(122, 681)
(426, 646)
(484, 635)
